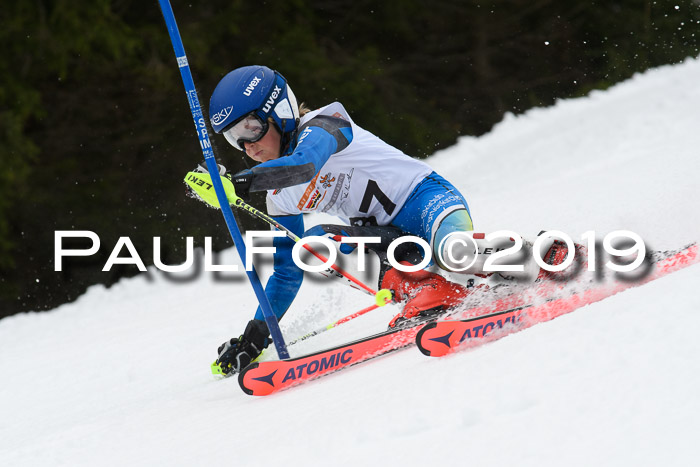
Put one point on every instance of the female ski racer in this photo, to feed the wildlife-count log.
(322, 161)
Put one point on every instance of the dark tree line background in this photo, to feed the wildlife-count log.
(96, 133)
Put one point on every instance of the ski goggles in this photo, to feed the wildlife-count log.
(249, 129)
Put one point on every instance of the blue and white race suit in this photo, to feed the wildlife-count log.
(341, 169)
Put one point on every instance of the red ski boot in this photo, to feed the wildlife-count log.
(556, 255)
(425, 293)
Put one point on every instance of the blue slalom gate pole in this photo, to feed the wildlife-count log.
(205, 144)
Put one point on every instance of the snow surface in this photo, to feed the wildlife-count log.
(121, 376)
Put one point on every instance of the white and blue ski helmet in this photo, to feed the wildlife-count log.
(256, 92)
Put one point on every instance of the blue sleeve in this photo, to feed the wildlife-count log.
(282, 287)
(315, 145)
(318, 141)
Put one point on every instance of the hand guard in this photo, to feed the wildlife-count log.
(202, 169)
(237, 353)
(200, 186)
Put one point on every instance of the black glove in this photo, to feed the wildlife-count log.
(241, 183)
(237, 353)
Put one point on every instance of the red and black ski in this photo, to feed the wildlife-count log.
(486, 318)
(485, 324)
(263, 378)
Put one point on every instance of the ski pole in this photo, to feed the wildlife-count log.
(339, 322)
(197, 182)
(205, 144)
(339, 272)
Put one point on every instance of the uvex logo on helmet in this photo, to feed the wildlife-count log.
(273, 97)
(220, 117)
(249, 89)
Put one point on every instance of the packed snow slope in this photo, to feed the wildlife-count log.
(121, 376)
